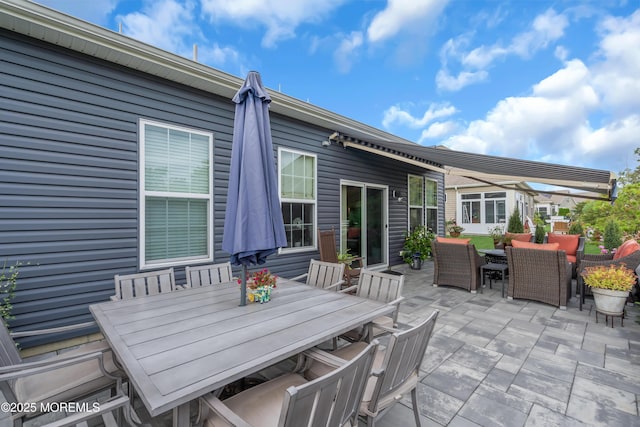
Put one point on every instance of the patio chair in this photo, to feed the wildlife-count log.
(292, 400)
(396, 369)
(539, 275)
(205, 275)
(456, 265)
(329, 253)
(629, 257)
(377, 286)
(140, 284)
(572, 244)
(325, 275)
(68, 377)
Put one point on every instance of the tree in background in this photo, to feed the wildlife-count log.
(629, 176)
(612, 235)
(626, 209)
(515, 223)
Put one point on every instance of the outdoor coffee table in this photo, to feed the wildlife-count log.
(178, 346)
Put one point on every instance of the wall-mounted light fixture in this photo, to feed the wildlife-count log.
(398, 195)
(326, 143)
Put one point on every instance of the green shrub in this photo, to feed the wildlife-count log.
(540, 233)
(564, 212)
(576, 228)
(612, 235)
(515, 223)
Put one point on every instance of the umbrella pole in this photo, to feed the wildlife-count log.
(243, 287)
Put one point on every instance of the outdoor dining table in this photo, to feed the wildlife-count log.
(178, 346)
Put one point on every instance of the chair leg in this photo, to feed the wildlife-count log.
(414, 401)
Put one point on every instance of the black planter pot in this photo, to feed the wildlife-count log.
(416, 262)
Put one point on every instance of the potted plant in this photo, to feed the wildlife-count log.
(610, 285)
(417, 247)
(260, 284)
(496, 233)
(453, 228)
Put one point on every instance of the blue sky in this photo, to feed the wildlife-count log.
(554, 81)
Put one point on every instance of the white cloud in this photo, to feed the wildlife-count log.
(403, 15)
(545, 29)
(166, 25)
(281, 18)
(446, 81)
(437, 130)
(171, 25)
(582, 114)
(346, 53)
(617, 76)
(396, 114)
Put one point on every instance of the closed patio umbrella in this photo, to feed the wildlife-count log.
(253, 226)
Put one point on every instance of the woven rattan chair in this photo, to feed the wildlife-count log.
(632, 261)
(539, 275)
(456, 265)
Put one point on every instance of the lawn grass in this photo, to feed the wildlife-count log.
(486, 242)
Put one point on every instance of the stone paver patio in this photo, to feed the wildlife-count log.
(499, 362)
(495, 362)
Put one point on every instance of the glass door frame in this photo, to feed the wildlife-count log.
(385, 211)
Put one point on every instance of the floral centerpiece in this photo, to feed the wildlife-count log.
(610, 285)
(260, 284)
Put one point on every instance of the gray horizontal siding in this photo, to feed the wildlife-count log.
(69, 193)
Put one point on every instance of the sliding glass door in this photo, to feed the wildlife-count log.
(363, 228)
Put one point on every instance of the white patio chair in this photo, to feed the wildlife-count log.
(291, 400)
(68, 377)
(205, 275)
(325, 275)
(150, 283)
(395, 373)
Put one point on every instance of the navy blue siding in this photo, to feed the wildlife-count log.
(69, 186)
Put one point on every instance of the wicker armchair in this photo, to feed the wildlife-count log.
(456, 265)
(539, 275)
(632, 261)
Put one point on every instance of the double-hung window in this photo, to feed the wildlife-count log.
(416, 201)
(298, 195)
(431, 204)
(175, 195)
(495, 207)
(471, 208)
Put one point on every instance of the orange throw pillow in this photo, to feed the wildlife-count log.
(627, 248)
(521, 237)
(568, 242)
(529, 245)
(452, 240)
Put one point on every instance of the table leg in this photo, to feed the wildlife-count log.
(181, 415)
(503, 274)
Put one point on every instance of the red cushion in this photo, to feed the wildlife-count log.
(568, 242)
(452, 240)
(571, 258)
(522, 237)
(530, 245)
(627, 248)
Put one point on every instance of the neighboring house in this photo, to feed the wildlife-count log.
(478, 206)
(115, 158)
(548, 205)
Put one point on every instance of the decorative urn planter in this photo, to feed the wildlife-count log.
(609, 302)
(416, 262)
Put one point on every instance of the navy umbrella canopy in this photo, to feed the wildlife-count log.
(253, 226)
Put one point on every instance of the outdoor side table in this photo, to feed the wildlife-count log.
(493, 267)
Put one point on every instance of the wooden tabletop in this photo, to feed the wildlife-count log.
(178, 346)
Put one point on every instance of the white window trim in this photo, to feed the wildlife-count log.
(142, 195)
(427, 206)
(314, 247)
